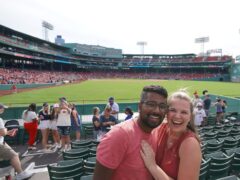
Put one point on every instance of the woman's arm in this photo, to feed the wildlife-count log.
(148, 157)
(190, 156)
(74, 113)
(96, 122)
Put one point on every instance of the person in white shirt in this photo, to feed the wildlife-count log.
(196, 99)
(200, 115)
(114, 106)
(64, 124)
(7, 153)
(31, 124)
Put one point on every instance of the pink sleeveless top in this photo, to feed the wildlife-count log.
(168, 158)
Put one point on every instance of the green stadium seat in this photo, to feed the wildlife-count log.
(223, 133)
(72, 169)
(235, 131)
(235, 165)
(218, 127)
(88, 131)
(87, 177)
(213, 145)
(81, 144)
(210, 135)
(207, 129)
(218, 173)
(204, 169)
(76, 154)
(228, 143)
(220, 164)
(233, 177)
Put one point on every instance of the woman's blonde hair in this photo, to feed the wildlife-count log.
(183, 94)
(108, 108)
(95, 110)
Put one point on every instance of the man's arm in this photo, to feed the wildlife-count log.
(102, 173)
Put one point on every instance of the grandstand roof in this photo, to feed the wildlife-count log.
(32, 37)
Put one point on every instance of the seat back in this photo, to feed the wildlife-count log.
(76, 154)
(87, 177)
(233, 177)
(88, 131)
(66, 170)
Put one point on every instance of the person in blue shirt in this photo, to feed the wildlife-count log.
(107, 120)
(129, 113)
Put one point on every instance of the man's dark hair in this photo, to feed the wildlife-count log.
(204, 92)
(32, 107)
(153, 88)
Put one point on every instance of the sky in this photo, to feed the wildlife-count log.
(167, 26)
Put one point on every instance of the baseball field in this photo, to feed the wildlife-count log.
(98, 91)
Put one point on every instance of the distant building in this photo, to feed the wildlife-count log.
(94, 50)
(59, 40)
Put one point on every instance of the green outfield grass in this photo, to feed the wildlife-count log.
(98, 91)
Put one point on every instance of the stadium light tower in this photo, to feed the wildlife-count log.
(202, 40)
(142, 44)
(46, 26)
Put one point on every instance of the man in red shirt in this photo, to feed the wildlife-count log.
(118, 154)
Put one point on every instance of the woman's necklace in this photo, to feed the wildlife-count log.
(171, 140)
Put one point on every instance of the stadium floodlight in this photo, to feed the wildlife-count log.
(46, 26)
(202, 40)
(142, 44)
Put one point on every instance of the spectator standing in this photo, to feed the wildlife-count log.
(206, 104)
(219, 110)
(96, 122)
(224, 106)
(75, 122)
(53, 125)
(196, 99)
(114, 106)
(199, 115)
(64, 124)
(31, 124)
(44, 118)
(14, 88)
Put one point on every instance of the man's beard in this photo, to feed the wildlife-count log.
(145, 120)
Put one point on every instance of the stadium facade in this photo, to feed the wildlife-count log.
(20, 50)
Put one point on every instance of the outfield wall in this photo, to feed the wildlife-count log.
(23, 86)
(83, 109)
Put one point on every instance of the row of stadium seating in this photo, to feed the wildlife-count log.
(149, 61)
(220, 164)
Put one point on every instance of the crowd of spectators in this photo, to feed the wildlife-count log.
(18, 76)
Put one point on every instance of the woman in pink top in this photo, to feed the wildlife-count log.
(178, 143)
